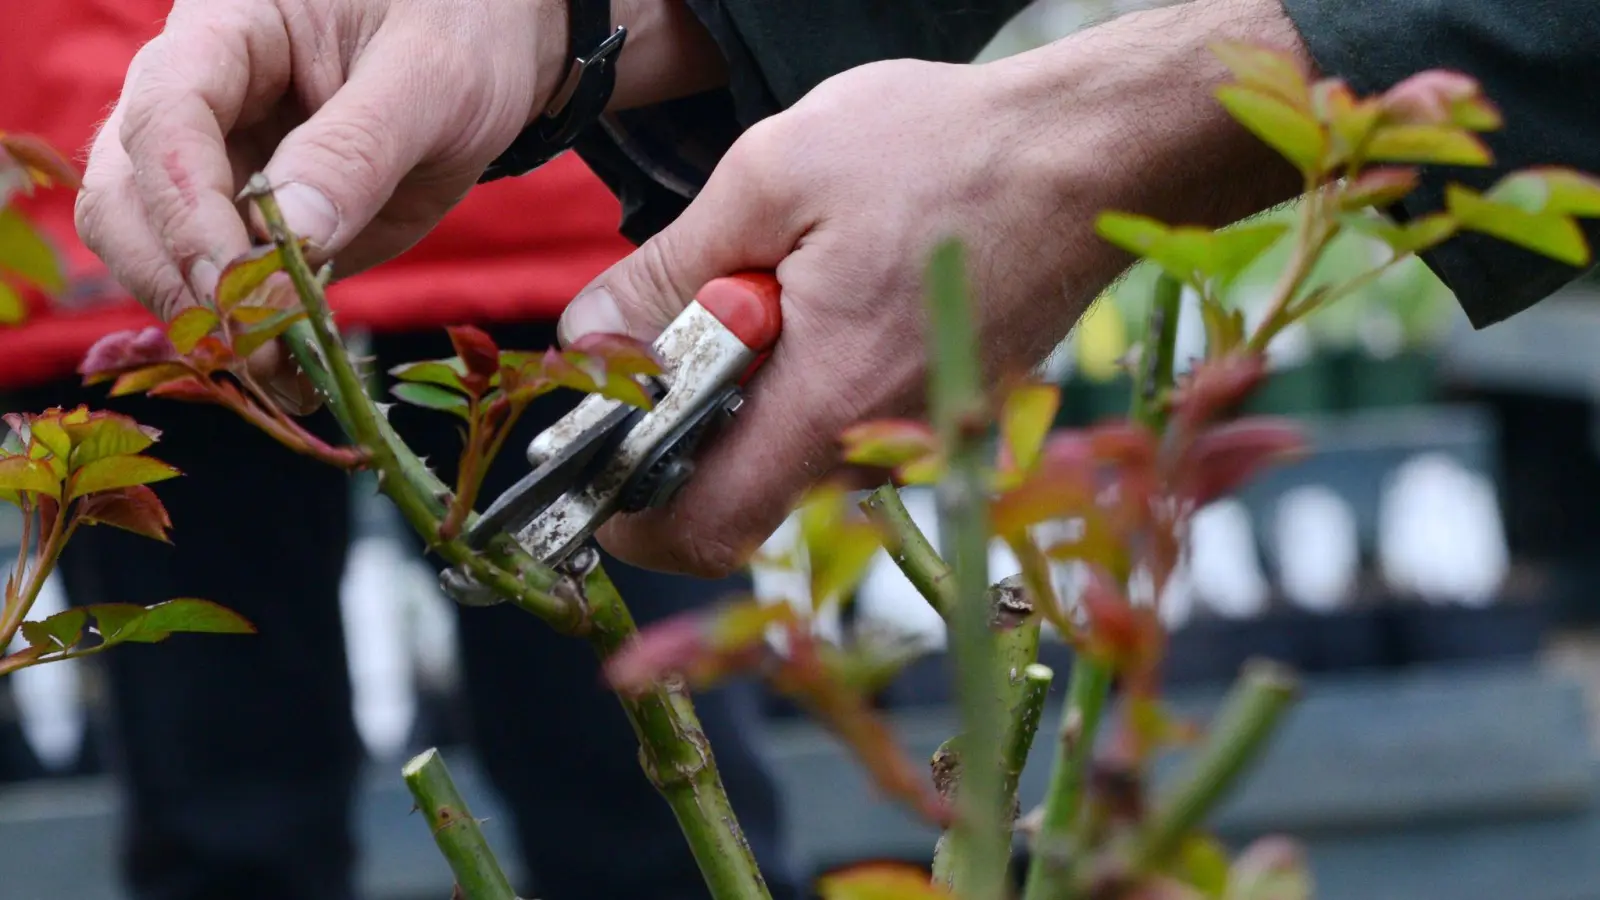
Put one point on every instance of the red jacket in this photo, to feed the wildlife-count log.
(515, 249)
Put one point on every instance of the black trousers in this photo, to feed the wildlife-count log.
(238, 755)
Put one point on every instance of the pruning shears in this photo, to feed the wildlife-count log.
(606, 456)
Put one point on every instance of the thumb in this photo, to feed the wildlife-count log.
(726, 228)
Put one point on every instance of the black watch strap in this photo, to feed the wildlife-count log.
(593, 47)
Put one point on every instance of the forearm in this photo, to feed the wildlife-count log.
(1123, 116)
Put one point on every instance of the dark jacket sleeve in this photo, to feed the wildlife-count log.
(655, 159)
(1537, 60)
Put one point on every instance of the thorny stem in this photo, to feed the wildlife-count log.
(674, 750)
(1236, 738)
(957, 402)
(461, 841)
(910, 549)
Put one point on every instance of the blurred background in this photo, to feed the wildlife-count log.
(1431, 568)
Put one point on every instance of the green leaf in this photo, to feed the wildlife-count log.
(431, 396)
(839, 543)
(1553, 234)
(25, 254)
(442, 372)
(189, 327)
(20, 473)
(1436, 144)
(268, 330)
(120, 623)
(1134, 233)
(118, 472)
(13, 310)
(1025, 418)
(140, 380)
(108, 434)
(899, 444)
(1234, 249)
(1203, 863)
(1414, 237)
(58, 632)
(246, 274)
(1549, 189)
(1293, 133)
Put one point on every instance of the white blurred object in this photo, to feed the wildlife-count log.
(1177, 600)
(48, 697)
(887, 597)
(1317, 547)
(375, 593)
(1440, 534)
(1224, 569)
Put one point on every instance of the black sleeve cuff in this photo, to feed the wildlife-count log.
(1532, 58)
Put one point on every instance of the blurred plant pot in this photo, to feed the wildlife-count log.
(1085, 401)
(1210, 649)
(1297, 390)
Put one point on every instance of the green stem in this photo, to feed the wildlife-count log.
(1050, 872)
(910, 549)
(1236, 738)
(958, 405)
(1023, 724)
(478, 874)
(674, 749)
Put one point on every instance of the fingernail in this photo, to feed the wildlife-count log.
(592, 312)
(203, 278)
(308, 213)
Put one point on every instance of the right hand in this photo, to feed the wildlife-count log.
(371, 118)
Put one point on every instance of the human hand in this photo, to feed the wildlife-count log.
(372, 118)
(845, 194)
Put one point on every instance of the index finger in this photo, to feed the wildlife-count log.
(215, 67)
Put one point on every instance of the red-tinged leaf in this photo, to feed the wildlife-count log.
(1271, 868)
(1265, 70)
(805, 679)
(890, 443)
(136, 509)
(186, 330)
(61, 631)
(1094, 542)
(118, 472)
(25, 254)
(582, 372)
(881, 881)
(48, 430)
(1549, 189)
(620, 353)
(1291, 131)
(521, 384)
(267, 330)
(1439, 97)
(190, 389)
(1226, 456)
(13, 310)
(1216, 387)
(45, 165)
(210, 354)
(1062, 486)
(1382, 187)
(431, 396)
(1025, 418)
(1552, 234)
(22, 474)
(108, 434)
(123, 351)
(477, 352)
(442, 372)
(1444, 145)
(123, 623)
(1350, 120)
(1130, 636)
(245, 276)
(140, 380)
(703, 647)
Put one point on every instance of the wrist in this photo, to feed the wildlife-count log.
(1135, 123)
(668, 54)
